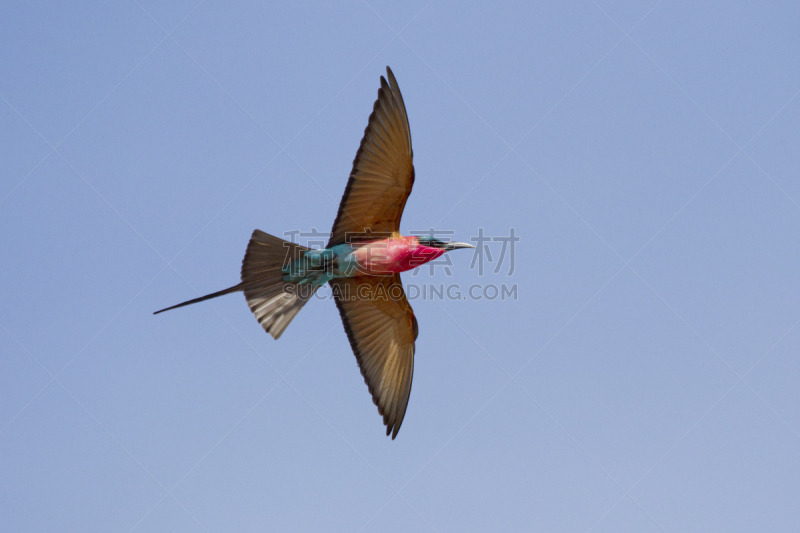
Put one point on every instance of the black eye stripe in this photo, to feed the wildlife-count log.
(434, 243)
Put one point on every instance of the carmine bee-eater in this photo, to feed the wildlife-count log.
(362, 262)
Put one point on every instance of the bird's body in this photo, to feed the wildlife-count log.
(361, 262)
(379, 257)
(392, 255)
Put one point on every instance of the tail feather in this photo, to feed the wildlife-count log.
(272, 300)
(229, 290)
(274, 307)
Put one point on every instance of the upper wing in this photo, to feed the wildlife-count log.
(381, 327)
(383, 170)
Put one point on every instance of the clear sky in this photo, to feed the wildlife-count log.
(644, 380)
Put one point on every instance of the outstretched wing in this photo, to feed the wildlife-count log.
(381, 327)
(383, 170)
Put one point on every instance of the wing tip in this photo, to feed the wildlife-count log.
(393, 429)
(392, 80)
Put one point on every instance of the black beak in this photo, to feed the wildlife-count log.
(456, 245)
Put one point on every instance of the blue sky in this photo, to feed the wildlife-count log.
(645, 378)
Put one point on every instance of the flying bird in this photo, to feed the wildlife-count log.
(362, 262)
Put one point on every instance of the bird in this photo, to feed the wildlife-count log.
(361, 262)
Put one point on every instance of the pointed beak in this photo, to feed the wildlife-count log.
(457, 245)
